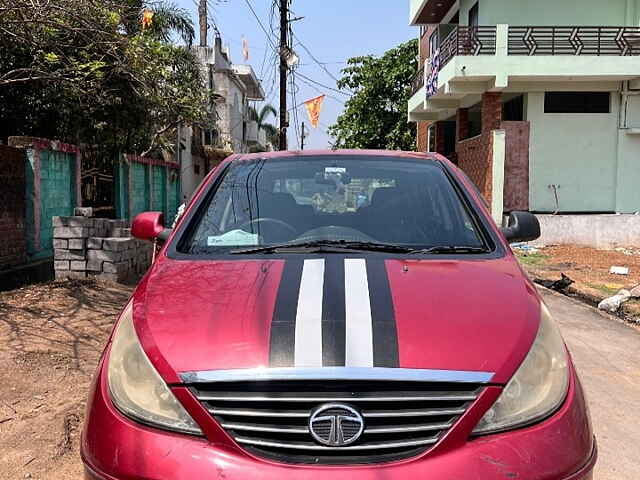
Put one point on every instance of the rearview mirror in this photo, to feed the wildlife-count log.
(150, 226)
(522, 227)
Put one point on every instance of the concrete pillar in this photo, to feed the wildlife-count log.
(498, 154)
(491, 111)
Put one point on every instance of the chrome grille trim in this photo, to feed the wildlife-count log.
(337, 373)
(314, 447)
(433, 412)
(257, 413)
(256, 428)
(416, 428)
(430, 398)
(272, 418)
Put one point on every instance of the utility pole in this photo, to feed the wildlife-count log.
(284, 28)
(204, 27)
(302, 139)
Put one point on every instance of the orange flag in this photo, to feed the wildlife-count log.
(245, 49)
(147, 18)
(314, 107)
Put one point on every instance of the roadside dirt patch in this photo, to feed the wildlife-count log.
(589, 269)
(51, 337)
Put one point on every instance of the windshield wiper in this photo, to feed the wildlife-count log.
(321, 246)
(324, 246)
(451, 249)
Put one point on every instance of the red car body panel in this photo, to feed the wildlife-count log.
(472, 315)
(115, 448)
(447, 314)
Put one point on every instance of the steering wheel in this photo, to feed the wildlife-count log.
(268, 220)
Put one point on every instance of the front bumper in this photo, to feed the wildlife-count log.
(115, 448)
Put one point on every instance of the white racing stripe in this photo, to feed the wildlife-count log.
(308, 342)
(359, 330)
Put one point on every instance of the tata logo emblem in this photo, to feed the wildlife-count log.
(336, 424)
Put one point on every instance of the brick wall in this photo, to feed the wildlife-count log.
(516, 166)
(475, 159)
(423, 136)
(13, 249)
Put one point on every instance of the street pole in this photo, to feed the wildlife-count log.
(284, 27)
(302, 139)
(204, 27)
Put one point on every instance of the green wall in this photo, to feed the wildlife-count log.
(140, 198)
(554, 12)
(57, 197)
(577, 152)
(144, 187)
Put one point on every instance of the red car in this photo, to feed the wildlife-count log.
(344, 314)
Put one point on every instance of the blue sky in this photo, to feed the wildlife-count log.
(333, 30)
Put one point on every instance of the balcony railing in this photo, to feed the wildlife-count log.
(468, 41)
(618, 41)
(418, 81)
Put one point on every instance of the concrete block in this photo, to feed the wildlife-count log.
(71, 222)
(120, 232)
(61, 265)
(61, 254)
(104, 256)
(117, 244)
(70, 232)
(120, 267)
(94, 265)
(83, 211)
(67, 274)
(77, 243)
(60, 243)
(94, 243)
(78, 265)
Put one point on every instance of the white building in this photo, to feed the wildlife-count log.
(233, 87)
(537, 101)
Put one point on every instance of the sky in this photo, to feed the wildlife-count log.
(332, 30)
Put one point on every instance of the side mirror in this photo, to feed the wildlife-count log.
(523, 227)
(150, 226)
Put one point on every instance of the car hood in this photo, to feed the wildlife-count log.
(370, 311)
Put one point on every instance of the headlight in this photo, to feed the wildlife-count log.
(539, 386)
(136, 388)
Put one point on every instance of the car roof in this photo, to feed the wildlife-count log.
(349, 153)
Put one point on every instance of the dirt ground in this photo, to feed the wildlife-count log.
(51, 336)
(589, 269)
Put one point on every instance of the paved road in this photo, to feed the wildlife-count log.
(607, 355)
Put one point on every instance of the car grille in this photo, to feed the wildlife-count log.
(271, 418)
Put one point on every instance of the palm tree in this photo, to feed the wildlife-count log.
(260, 117)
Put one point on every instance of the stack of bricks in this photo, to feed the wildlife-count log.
(98, 248)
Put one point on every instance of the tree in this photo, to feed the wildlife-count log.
(86, 71)
(376, 115)
(260, 117)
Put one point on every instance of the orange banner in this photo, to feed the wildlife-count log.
(314, 107)
(147, 19)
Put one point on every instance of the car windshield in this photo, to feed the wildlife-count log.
(364, 199)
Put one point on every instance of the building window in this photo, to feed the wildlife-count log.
(212, 85)
(577, 102)
(473, 15)
(431, 138)
(513, 110)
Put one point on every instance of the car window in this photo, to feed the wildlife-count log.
(369, 199)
